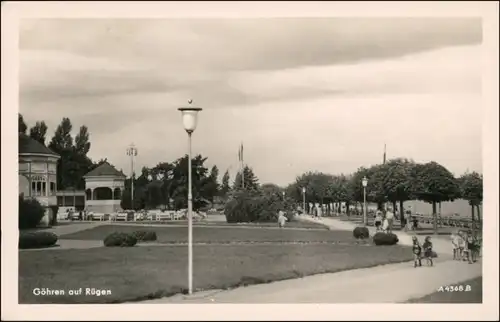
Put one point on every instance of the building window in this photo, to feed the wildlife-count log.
(38, 189)
(33, 188)
(52, 188)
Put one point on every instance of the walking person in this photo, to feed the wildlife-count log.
(319, 212)
(471, 253)
(378, 220)
(281, 219)
(389, 215)
(456, 248)
(428, 250)
(385, 224)
(417, 252)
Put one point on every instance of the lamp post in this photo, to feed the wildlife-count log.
(132, 152)
(304, 199)
(189, 120)
(365, 183)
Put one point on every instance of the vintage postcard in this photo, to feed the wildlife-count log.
(177, 154)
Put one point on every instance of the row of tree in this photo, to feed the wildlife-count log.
(396, 181)
(165, 184)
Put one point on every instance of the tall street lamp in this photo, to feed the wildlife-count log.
(189, 120)
(304, 199)
(365, 183)
(132, 152)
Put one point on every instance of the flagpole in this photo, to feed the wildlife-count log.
(383, 162)
(242, 167)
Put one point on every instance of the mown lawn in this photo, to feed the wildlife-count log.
(173, 234)
(139, 273)
(475, 295)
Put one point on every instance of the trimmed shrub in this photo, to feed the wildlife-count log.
(36, 239)
(361, 233)
(31, 213)
(385, 239)
(145, 235)
(254, 206)
(120, 240)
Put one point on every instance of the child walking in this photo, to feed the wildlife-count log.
(281, 219)
(417, 252)
(378, 219)
(456, 247)
(471, 247)
(428, 250)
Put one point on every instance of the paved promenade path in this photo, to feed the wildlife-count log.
(391, 283)
(441, 243)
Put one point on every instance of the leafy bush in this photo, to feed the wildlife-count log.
(30, 213)
(120, 239)
(361, 233)
(253, 206)
(381, 238)
(37, 239)
(145, 235)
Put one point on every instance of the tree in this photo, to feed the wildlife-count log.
(225, 187)
(74, 162)
(154, 196)
(374, 190)
(433, 183)
(164, 171)
(199, 182)
(82, 143)
(62, 139)
(471, 188)
(339, 190)
(397, 182)
(211, 185)
(39, 131)
(22, 127)
(272, 189)
(251, 181)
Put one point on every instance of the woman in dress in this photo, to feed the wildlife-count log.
(428, 250)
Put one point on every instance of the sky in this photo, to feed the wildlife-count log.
(302, 94)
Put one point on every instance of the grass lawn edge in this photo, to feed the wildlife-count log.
(247, 281)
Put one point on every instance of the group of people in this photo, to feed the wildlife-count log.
(466, 246)
(424, 251)
(384, 220)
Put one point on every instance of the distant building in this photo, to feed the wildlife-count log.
(38, 173)
(71, 198)
(104, 187)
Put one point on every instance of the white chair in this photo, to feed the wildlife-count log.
(177, 215)
(97, 216)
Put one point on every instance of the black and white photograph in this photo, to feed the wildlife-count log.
(333, 159)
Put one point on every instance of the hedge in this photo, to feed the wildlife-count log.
(38, 239)
(255, 206)
(145, 235)
(120, 240)
(361, 233)
(385, 239)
